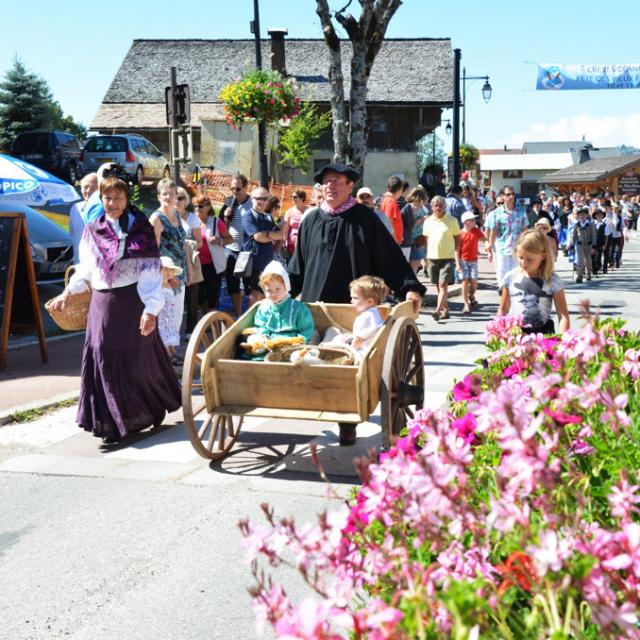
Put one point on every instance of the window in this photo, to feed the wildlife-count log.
(512, 173)
(107, 143)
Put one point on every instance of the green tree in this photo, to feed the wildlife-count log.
(295, 146)
(26, 103)
(430, 154)
(469, 156)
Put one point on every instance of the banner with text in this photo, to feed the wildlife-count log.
(556, 77)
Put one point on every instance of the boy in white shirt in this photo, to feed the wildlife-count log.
(367, 292)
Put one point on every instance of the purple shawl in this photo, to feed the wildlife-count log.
(140, 249)
(350, 202)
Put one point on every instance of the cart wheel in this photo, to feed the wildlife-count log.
(216, 434)
(402, 384)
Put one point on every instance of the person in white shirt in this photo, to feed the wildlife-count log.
(127, 382)
(88, 186)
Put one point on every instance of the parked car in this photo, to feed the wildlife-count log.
(139, 157)
(51, 246)
(54, 151)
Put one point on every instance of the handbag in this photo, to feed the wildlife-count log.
(244, 265)
(194, 260)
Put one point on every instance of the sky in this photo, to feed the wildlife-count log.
(78, 47)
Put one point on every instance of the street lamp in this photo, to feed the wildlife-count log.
(486, 94)
(448, 129)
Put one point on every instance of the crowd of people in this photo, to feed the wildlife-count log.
(148, 274)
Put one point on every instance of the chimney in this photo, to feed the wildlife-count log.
(277, 49)
(584, 155)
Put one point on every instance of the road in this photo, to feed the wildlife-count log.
(141, 541)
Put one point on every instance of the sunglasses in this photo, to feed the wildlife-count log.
(259, 198)
(201, 206)
(237, 188)
(181, 198)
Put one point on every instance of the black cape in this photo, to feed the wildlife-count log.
(334, 250)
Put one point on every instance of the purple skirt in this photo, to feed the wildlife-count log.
(127, 381)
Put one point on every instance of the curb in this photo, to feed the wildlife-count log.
(6, 416)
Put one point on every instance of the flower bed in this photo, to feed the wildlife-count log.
(512, 513)
(259, 95)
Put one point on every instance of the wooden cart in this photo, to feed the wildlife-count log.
(218, 391)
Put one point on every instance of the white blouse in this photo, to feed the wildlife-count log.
(149, 281)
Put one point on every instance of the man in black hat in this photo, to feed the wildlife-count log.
(340, 241)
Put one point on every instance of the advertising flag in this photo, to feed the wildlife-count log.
(567, 77)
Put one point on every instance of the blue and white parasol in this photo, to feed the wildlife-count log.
(22, 183)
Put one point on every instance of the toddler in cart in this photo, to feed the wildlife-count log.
(169, 333)
(367, 292)
(279, 320)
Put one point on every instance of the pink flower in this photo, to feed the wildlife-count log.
(466, 427)
(631, 363)
(518, 366)
(623, 499)
(468, 387)
(561, 418)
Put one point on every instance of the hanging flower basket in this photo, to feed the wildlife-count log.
(260, 95)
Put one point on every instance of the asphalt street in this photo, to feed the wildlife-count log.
(141, 541)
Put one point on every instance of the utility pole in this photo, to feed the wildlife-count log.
(262, 127)
(457, 55)
(174, 123)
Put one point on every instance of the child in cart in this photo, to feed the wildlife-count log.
(367, 292)
(280, 320)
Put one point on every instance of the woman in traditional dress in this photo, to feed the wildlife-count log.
(127, 382)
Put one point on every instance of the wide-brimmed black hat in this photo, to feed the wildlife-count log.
(344, 169)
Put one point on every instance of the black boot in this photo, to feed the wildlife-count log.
(347, 434)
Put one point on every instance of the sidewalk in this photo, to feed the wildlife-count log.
(28, 383)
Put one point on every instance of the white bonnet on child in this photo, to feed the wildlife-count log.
(168, 263)
(278, 269)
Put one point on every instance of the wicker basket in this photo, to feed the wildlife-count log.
(329, 355)
(74, 316)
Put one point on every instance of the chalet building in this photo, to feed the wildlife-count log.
(410, 84)
(618, 174)
(527, 168)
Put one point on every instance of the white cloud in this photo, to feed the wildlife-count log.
(605, 131)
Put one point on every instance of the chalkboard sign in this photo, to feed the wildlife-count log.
(629, 184)
(19, 303)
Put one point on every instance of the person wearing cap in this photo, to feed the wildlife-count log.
(543, 224)
(341, 241)
(365, 196)
(582, 239)
(601, 233)
(470, 236)
(169, 333)
(278, 315)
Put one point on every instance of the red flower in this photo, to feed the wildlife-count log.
(517, 571)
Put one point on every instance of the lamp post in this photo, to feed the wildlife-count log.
(455, 147)
(447, 130)
(486, 94)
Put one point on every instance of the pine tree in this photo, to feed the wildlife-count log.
(26, 103)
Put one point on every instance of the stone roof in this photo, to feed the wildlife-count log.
(149, 116)
(592, 170)
(417, 71)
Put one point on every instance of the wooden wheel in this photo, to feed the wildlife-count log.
(212, 435)
(402, 383)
